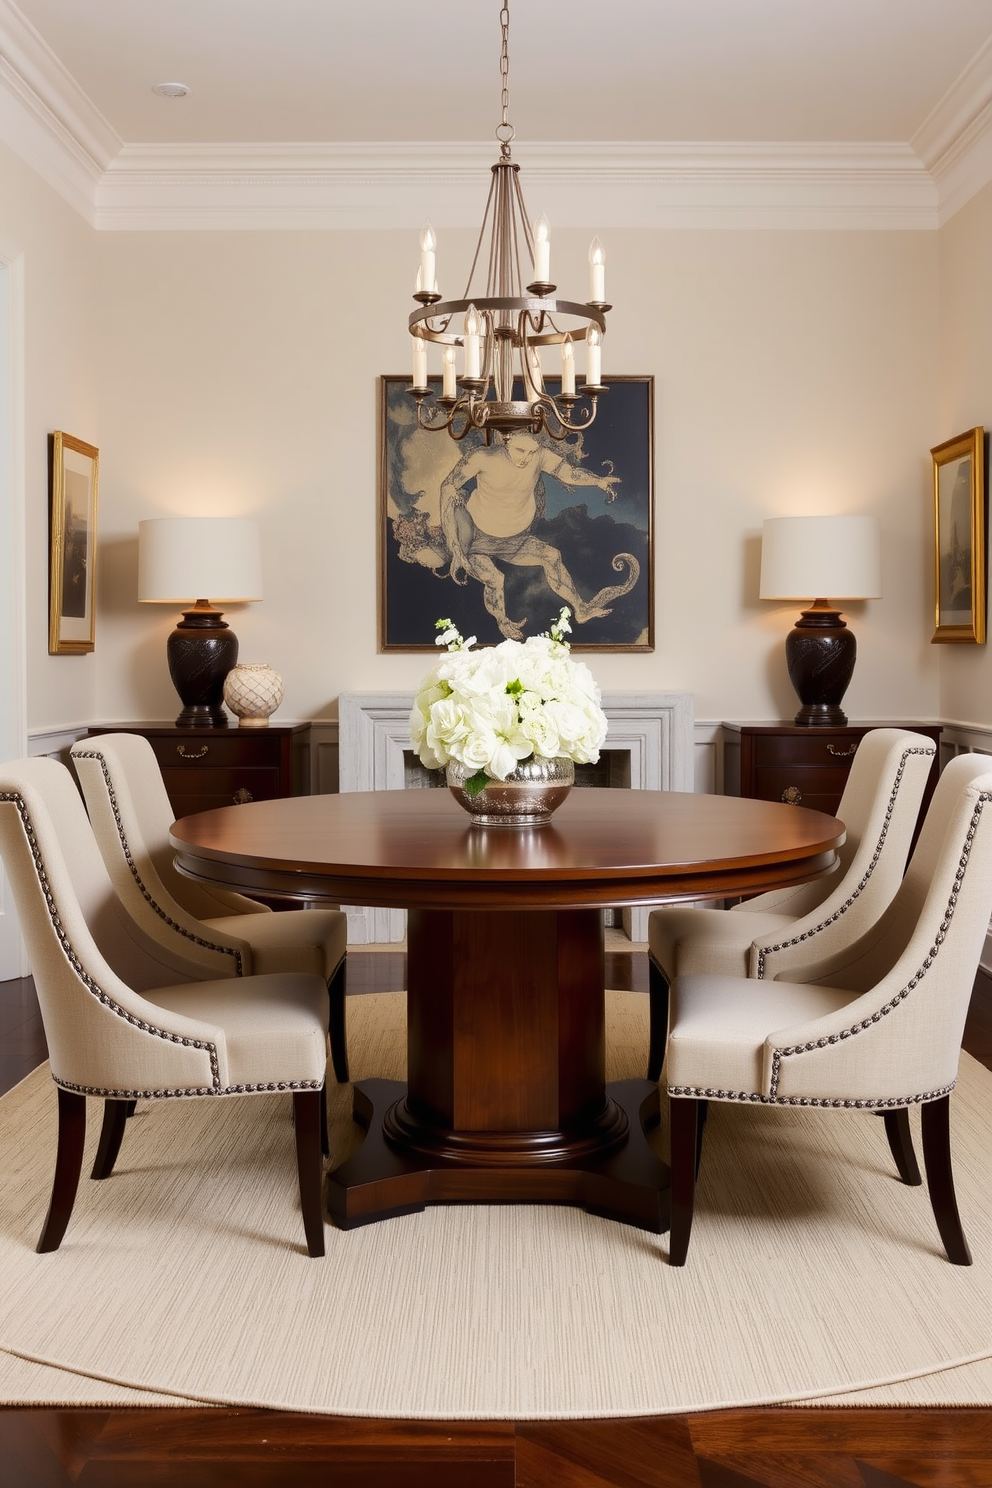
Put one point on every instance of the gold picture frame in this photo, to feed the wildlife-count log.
(959, 538)
(74, 472)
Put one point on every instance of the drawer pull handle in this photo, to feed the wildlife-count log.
(242, 797)
(842, 753)
(792, 795)
(204, 749)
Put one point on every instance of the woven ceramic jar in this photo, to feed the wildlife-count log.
(253, 692)
(528, 796)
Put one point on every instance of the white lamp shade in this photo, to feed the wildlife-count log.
(820, 558)
(190, 558)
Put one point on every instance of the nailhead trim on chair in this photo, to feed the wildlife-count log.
(146, 895)
(843, 908)
(752, 1097)
(17, 800)
(929, 959)
(272, 1087)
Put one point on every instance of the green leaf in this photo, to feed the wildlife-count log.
(476, 784)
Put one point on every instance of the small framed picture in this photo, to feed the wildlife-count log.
(959, 537)
(74, 468)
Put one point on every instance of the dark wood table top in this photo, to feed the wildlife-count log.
(417, 849)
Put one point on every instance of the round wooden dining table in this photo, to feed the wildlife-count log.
(506, 1099)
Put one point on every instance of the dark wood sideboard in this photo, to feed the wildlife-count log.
(801, 766)
(204, 768)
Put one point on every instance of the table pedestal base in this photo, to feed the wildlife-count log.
(506, 1100)
(628, 1183)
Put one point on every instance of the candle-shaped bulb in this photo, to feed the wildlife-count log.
(594, 354)
(567, 368)
(542, 249)
(597, 272)
(428, 243)
(535, 369)
(472, 347)
(419, 362)
(448, 389)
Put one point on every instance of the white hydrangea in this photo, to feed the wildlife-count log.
(491, 709)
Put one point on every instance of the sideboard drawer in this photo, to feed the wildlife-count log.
(834, 753)
(202, 790)
(820, 790)
(221, 751)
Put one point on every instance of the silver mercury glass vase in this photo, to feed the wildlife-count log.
(528, 796)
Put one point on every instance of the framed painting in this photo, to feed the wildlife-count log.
(959, 537)
(74, 468)
(497, 538)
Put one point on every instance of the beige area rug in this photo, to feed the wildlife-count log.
(813, 1273)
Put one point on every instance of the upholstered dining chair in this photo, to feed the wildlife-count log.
(772, 933)
(114, 1030)
(234, 936)
(876, 1027)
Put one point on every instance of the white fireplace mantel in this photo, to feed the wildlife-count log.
(654, 729)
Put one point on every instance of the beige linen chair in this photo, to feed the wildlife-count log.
(876, 1027)
(114, 1031)
(231, 935)
(774, 933)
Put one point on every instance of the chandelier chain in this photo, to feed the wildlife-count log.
(505, 130)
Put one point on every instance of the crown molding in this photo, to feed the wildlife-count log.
(954, 142)
(47, 119)
(397, 185)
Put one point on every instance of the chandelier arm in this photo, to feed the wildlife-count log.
(528, 234)
(548, 408)
(482, 233)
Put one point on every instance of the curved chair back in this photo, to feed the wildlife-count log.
(880, 808)
(89, 961)
(131, 816)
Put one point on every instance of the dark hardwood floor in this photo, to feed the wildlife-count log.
(777, 1448)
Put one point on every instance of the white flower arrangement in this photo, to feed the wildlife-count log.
(492, 709)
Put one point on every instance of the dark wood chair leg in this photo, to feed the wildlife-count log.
(940, 1179)
(68, 1164)
(658, 1012)
(336, 1027)
(325, 1143)
(901, 1145)
(132, 1106)
(310, 1168)
(684, 1133)
(115, 1114)
(702, 1112)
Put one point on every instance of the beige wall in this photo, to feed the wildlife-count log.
(61, 391)
(795, 372)
(236, 373)
(966, 400)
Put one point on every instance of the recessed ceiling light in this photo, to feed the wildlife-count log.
(170, 90)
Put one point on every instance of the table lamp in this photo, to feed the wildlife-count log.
(184, 559)
(810, 558)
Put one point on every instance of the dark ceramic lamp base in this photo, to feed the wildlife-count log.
(201, 651)
(820, 652)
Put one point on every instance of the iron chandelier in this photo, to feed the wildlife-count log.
(501, 329)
